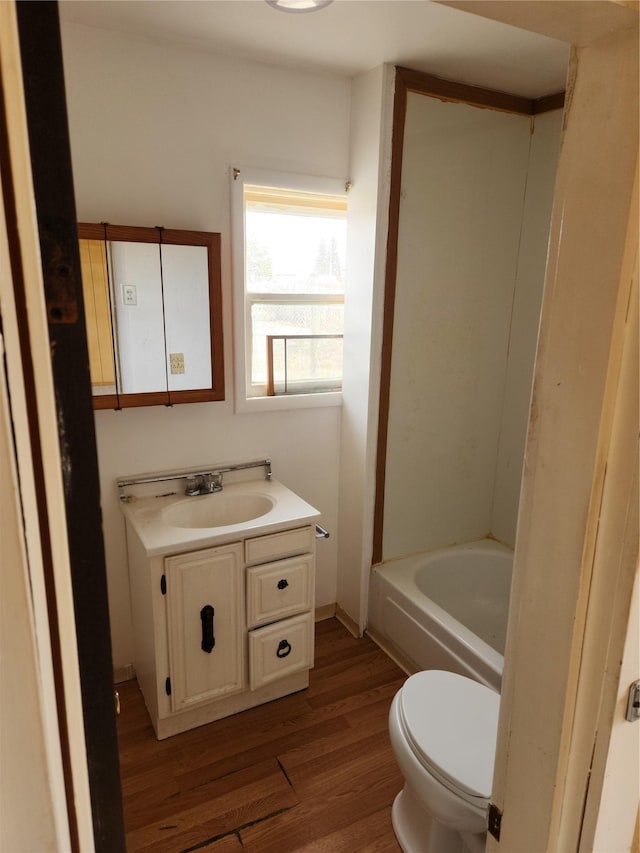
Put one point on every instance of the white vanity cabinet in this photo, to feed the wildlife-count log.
(223, 628)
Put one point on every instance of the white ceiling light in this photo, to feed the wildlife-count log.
(298, 5)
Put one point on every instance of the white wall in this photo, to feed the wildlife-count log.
(154, 129)
(463, 275)
(523, 336)
(372, 106)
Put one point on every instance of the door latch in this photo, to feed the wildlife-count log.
(633, 702)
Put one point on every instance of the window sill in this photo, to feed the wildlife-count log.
(293, 401)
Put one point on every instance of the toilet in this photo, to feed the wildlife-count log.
(443, 729)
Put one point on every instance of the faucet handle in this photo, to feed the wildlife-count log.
(212, 482)
(203, 484)
(193, 486)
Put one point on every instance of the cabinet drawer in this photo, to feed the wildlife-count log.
(281, 649)
(275, 590)
(273, 546)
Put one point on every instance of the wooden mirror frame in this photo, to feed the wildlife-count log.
(211, 241)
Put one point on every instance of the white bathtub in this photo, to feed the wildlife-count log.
(445, 610)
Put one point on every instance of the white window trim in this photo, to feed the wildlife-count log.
(241, 175)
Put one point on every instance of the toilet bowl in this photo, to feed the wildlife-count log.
(443, 730)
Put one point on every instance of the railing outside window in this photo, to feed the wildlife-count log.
(303, 364)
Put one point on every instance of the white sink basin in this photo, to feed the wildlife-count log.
(173, 524)
(216, 510)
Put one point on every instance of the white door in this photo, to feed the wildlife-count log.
(43, 760)
(545, 740)
(612, 638)
(205, 610)
(615, 825)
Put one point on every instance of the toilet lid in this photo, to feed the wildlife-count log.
(452, 724)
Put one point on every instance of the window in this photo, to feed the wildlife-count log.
(289, 268)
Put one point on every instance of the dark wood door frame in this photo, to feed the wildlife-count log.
(43, 80)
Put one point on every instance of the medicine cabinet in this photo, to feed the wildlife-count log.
(153, 311)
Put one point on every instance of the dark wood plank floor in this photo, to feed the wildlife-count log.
(311, 772)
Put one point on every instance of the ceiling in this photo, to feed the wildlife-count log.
(346, 38)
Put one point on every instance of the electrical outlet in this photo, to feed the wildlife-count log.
(129, 294)
(176, 360)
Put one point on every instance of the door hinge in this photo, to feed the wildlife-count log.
(495, 821)
(167, 686)
(633, 703)
(163, 584)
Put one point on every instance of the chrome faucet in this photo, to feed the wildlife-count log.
(204, 484)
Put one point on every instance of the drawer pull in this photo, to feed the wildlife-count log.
(283, 584)
(208, 637)
(284, 649)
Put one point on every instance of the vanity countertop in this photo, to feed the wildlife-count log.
(151, 517)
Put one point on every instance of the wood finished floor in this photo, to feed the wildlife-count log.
(311, 772)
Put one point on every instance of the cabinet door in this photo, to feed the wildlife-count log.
(205, 606)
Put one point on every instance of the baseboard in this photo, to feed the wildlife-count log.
(327, 611)
(346, 620)
(124, 673)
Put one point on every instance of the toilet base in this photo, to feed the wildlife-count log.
(417, 832)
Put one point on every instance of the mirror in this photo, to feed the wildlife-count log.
(153, 313)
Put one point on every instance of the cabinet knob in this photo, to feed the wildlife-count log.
(283, 584)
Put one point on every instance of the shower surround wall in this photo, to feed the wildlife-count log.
(477, 187)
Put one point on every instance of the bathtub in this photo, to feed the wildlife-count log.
(445, 609)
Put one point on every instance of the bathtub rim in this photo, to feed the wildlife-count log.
(388, 574)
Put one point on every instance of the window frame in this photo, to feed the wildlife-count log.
(239, 176)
